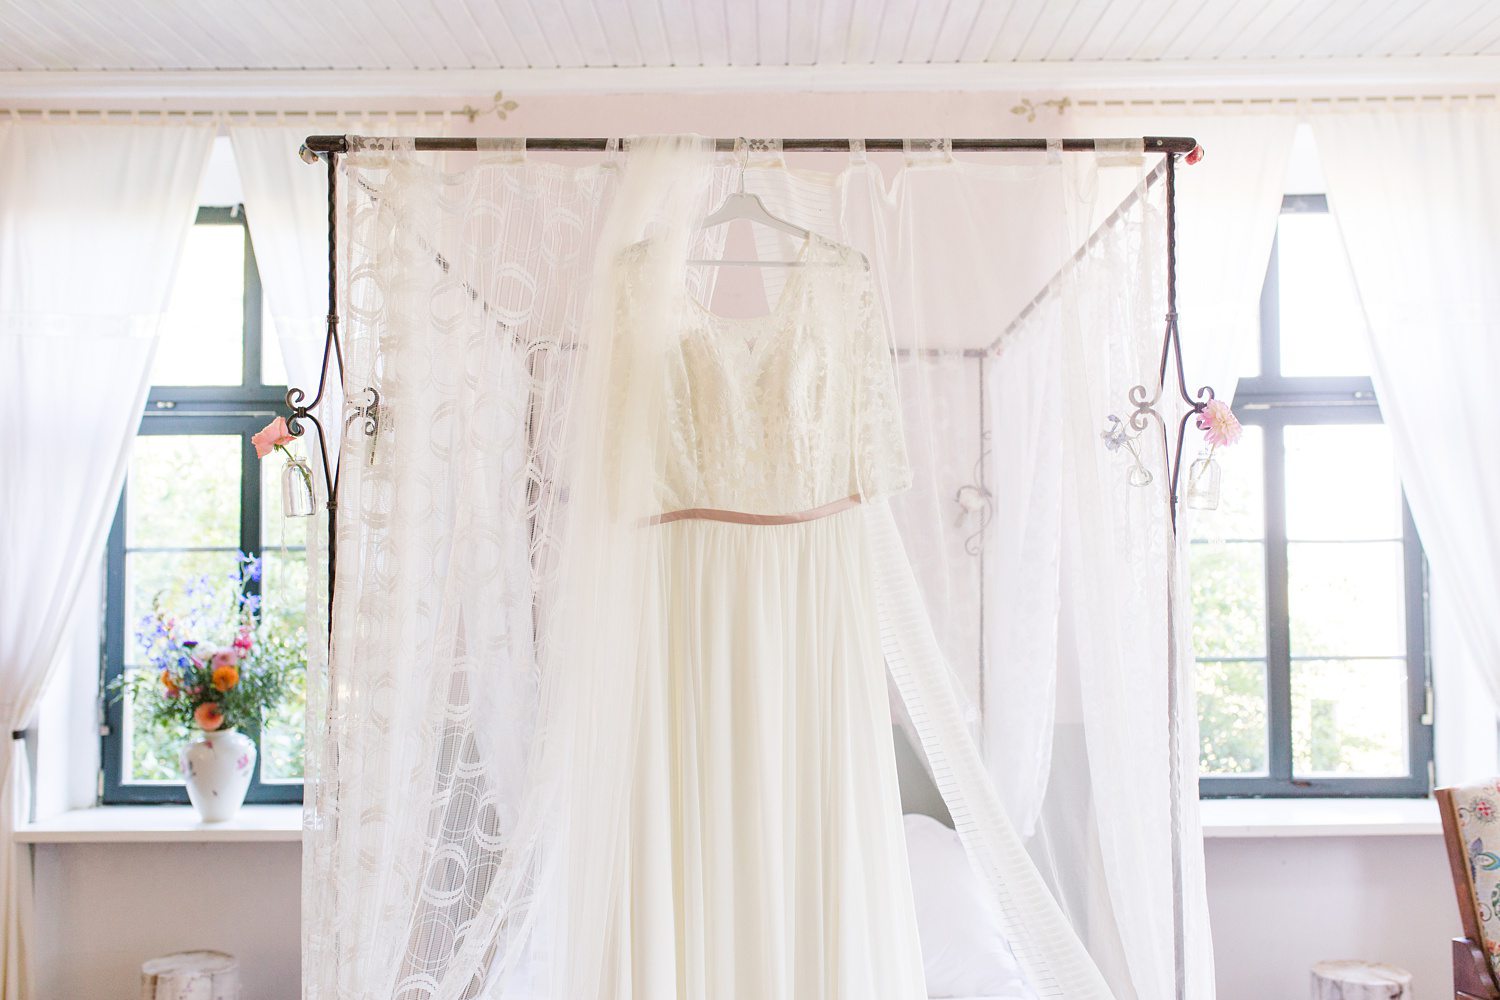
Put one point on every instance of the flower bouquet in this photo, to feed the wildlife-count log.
(216, 667)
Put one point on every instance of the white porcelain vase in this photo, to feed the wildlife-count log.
(216, 767)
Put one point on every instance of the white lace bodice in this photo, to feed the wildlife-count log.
(785, 412)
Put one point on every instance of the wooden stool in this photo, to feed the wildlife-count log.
(1360, 981)
(191, 975)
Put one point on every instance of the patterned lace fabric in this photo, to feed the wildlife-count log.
(784, 412)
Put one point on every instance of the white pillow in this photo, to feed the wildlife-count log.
(964, 952)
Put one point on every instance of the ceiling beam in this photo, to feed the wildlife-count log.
(1184, 79)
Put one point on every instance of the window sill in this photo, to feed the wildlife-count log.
(1269, 818)
(1223, 819)
(159, 824)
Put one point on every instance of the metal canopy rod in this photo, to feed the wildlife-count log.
(460, 144)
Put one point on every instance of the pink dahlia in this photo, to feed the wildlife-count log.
(1219, 424)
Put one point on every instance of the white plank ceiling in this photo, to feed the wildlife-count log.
(559, 34)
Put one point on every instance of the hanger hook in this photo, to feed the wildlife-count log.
(742, 149)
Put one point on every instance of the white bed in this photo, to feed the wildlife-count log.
(964, 952)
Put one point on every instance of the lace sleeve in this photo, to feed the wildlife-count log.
(881, 466)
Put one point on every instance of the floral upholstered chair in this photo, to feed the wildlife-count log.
(1471, 830)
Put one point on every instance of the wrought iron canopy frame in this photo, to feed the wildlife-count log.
(1146, 402)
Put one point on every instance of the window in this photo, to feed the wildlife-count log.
(1309, 590)
(195, 495)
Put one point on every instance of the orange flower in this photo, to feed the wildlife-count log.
(225, 677)
(170, 683)
(209, 716)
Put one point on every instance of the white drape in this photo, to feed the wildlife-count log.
(286, 207)
(1073, 594)
(1414, 194)
(92, 220)
(1227, 208)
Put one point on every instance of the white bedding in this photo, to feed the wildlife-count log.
(964, 952)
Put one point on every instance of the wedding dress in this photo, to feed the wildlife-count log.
(765, 856)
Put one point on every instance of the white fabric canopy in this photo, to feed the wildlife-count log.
(92, 221)
(451, 542)
(1413, 191)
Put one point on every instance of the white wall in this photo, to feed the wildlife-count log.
(103, 909)
(1278, 905)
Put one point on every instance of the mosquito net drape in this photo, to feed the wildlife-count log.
(494, 673)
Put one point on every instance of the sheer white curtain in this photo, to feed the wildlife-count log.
(286, 207)
(1228, 203)
(92, 221)
(1413, 190)
(1075, 563)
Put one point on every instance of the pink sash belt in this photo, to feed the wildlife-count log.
(740, 517)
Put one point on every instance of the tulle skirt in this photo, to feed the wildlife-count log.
(766, 858)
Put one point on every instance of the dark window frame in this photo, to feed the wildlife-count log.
(238, 410)
(1273, 402)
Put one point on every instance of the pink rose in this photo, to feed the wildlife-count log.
(273, 435)
(224, 658)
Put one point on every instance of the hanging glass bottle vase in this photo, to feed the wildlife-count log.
(1203, 483)
(296, 488)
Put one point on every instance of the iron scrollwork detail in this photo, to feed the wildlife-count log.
(1146, 411)
(1146, 408)
(367, 407)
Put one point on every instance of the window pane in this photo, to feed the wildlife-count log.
(184, 491)
(1341, 483)
(202, 335)
(1322, 323)
(1242, 510)
(1346, 599)
(281, 740)
(1232, 729)
(284, 593)
(168, 576)
(1229, 605)
(1349, 718)
(150, 751)
(284, 586)
(1227, 568)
